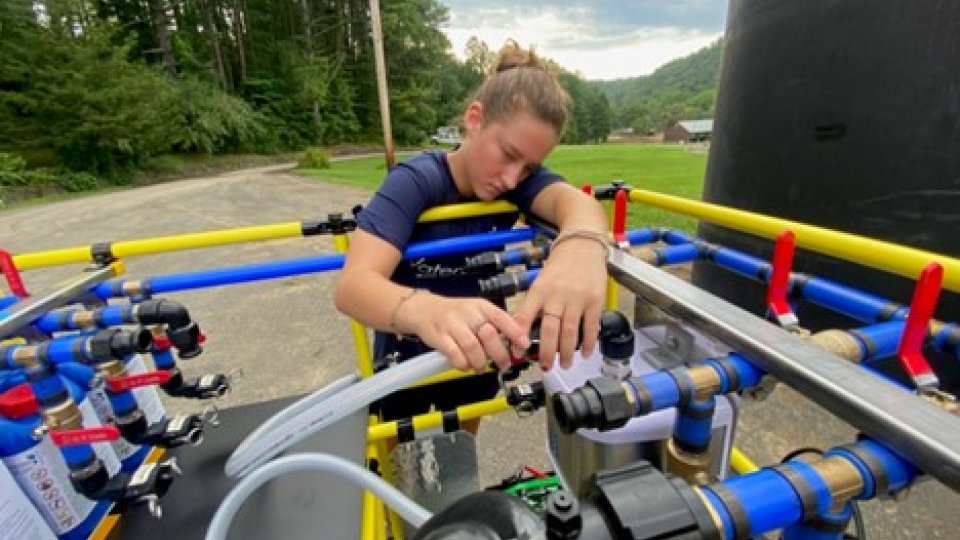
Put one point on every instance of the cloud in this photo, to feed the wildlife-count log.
(700, 14)
(601, 40)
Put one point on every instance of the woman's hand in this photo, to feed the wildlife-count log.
(470, 332)
(568, 295)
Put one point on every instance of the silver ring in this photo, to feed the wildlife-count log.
(476, 328)
(554, 315)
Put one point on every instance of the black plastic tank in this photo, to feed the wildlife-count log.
(843, 114)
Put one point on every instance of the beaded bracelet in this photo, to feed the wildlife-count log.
(600, 238)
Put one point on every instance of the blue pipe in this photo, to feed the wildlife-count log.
(878, 341)
(61, 350)
(664, 389)
(739, 263)
(163, 358)
(50, 390)
(305, 265)
(59, 321)
(694, 426)
(769, 499)
(8, 301)
(678, 254)
(468, 243)
(862, 306)
(673, 236)
(638, 237)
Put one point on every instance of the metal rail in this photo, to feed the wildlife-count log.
(921, 432)
(31, 309)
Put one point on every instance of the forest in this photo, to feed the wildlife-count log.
(92, 90)
(683, 89)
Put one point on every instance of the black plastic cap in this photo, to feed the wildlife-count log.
(563, 516)
(577, 409)
(616, 336)
(186, 340)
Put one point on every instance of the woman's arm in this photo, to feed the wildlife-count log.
(466, 331)
(570, 290)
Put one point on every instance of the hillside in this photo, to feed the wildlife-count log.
(682, 88)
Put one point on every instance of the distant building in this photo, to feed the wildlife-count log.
(446, 135)
(687, 131)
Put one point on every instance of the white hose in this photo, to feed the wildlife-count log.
(323, 412)
(410, 511)
(294, 409)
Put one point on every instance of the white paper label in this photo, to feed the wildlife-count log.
(19, 519)
(44, 478)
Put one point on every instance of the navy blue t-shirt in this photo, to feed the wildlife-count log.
(420, 183)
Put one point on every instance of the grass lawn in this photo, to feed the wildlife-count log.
(666, 169)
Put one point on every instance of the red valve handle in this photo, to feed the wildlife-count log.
(779, 284)
(12, 275)
(924, 301)
(129, 382)
(620, 219)
(73, 437)
(587, 189)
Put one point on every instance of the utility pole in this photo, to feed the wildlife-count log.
(382, 81)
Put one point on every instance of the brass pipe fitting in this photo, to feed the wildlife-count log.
(27, 357)
(84, 319)
(65, 415)
(842, 477)
(840, 343)
(694, 468)
(132, 288)
(706, 382)
(112, 368)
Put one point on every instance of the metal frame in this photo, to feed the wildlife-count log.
(903, 421)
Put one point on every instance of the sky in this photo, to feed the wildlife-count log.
(601, 39)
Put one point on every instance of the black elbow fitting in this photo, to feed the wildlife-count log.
(616, 335)
(182, 332)
(600, 404)
(186, 339)
(116, 343)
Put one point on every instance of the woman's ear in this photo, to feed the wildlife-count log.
(473, 117)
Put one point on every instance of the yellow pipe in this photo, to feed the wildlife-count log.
(360, 340)
(383, 457)
(887, 256)
(613, 294)
(132, 248)
(380, 521)
(146, 246)
(613, 289)
(740, 463)
(465, 210)
(369, 502)
(430, 420)
(368, 516)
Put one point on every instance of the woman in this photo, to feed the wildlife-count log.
(510, 126)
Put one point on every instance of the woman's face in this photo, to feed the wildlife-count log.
(503, 152)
